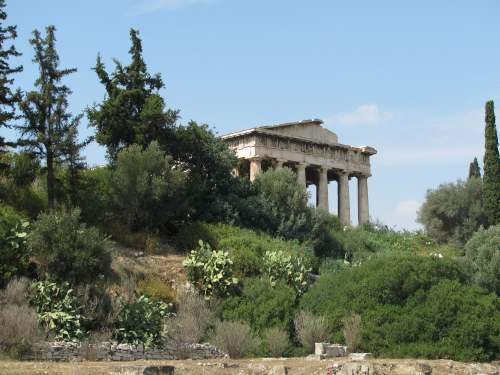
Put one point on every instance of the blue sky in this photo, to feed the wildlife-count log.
(409, 78)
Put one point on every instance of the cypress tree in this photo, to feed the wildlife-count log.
(45, 110)
(491, 178)
(8, 98)
(133, 112)
(474, 169)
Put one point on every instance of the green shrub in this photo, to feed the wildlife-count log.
(146, 189)
(246, 247)
(283, 209)
(482, 254)
(210, 270)
(141, 322)
(411, 306)
(14, 252)
(454, 211)
(58, 310)
(292, 270)
(262, 305)
(67, 249)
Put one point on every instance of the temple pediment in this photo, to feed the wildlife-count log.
(307, 129)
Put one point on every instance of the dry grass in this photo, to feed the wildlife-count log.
(353, 332)
(19, 328)
(276, 340)
(310, 329)
(234, 338)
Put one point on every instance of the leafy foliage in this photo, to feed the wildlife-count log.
(453, 211)
(141, 322)
(14, 252)
(292, 270)
(282, 204)
(491, 179)
(145, 188)
(69, 250)
(411, 306)
(58, 310)
(210, 270)
(482, 254)
(262, 305)
(246, 247)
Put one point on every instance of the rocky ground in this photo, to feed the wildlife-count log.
(288, 366)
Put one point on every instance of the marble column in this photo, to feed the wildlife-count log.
(322, 189)
(344, 204)
(363, 212)
(278, 164)
(301, 174)
(255, 168)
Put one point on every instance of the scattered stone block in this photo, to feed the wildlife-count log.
(423, 369)
(326, 350)
(360, 356)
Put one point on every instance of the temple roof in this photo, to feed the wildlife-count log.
(305, 130)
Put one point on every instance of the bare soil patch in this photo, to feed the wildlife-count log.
(295, 366)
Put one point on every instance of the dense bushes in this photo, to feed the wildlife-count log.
(68, 250)
(411, 306)
(262, 305)
(14, 252)
(142, 322)
(453, 212)
(482, 255)
(246, 248)
(145, 188)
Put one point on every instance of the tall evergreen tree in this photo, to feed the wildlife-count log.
(72, 157)
(491, 178)
(474, 169)
(8, 98)
(45, 111)
(133, 111)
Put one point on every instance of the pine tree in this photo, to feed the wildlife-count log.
(71, 156)
(45, 111)
(474, 169)
(133, 112)
(491, 177)
(8, 98)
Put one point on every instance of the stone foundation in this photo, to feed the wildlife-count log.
(108, 351)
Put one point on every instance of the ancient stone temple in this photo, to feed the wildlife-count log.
(316, 156)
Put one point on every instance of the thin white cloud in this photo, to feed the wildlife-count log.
(366, 114)
(147, 6)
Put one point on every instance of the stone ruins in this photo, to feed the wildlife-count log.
(316, 156)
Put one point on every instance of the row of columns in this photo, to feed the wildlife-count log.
(344, 211)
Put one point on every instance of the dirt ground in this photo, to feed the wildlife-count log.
(294, 366)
